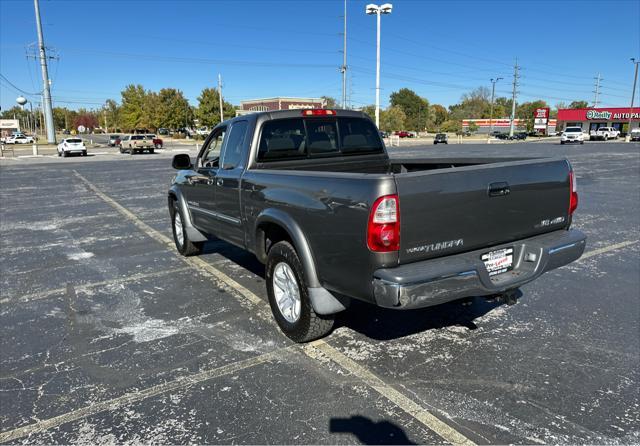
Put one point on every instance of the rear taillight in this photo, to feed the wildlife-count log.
(318, 112)
(573, 198)
(383, 230)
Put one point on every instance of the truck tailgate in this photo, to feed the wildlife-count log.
(447, 211)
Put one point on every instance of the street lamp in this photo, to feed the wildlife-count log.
(378, 10)
(21, 100)
(493, 93)
(627, 138)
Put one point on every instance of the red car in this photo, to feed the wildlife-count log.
(404, 134)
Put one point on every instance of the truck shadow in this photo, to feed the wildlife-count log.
(385, 324)
(368, 431)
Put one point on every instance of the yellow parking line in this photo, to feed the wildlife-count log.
(609, 248)
(133, 397)
(413, 409)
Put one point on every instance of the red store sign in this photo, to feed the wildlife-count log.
(600, 114)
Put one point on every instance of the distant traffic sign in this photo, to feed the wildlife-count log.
(81, 128)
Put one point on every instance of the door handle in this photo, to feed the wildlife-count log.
(499, 189)
(199, 179)
(219, 182)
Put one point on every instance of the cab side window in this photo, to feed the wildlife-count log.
(233, 148)
(211, 152)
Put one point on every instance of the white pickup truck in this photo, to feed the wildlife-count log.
(604, 133)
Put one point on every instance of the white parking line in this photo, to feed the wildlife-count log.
(413, 409)
(129, 398)
(86, 286)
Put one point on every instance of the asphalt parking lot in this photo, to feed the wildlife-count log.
(109, 336)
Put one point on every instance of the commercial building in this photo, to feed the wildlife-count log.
(594, 118)
(278, 103)
(502, 124)
(8, 126)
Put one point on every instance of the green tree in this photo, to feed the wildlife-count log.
(473, 105)
(502, 108)
(111, 111)
(151, 111)
(329, 102)
(369, 110)
(60, 118)
(472, 127)
(393, 118)
(451, 125)
(414, 107)
(172, 106)
(132, 109)
(579, 104)
(208, 111)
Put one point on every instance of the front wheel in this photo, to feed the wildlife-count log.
(562, 142)
(59, 154)
(289, 298)
(84, 153)
(64, 154)
(184, 246)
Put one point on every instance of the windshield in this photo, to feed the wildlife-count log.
(137, 137)
(573, 130)
(440, 135)
(74, 141)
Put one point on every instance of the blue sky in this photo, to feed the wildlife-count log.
(440, 49)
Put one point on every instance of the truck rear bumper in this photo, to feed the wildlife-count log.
(436, 281)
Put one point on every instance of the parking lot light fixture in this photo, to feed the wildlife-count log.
(372, 9)
(21, 100)
(627, 137)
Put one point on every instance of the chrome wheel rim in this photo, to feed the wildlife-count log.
(177, 225)
(286, 292)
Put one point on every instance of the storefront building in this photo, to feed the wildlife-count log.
(279, 103)
(594, 118)
(9, 126)
(503, 125)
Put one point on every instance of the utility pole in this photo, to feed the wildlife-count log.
(516, 76)
(220, 96)
(46, 92)
(493, 94)
(343, 68)
(597, 90)
(106, 129)
(372, 9)
(633, 94)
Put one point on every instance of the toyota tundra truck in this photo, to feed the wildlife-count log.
(314, 195)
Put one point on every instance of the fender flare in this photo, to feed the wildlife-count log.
(193, 234)
(322, 300)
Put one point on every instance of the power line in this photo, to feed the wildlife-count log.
(19, 90)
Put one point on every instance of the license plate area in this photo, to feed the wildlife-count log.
(498, 261)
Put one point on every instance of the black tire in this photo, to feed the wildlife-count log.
(151, 151)
(187, 247)
(84, 153)
(64, 154)
(581, 142)
(309, 325)
(59, 154)
(120, 149)
(562, 142)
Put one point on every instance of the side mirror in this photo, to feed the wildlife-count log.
(182, 161)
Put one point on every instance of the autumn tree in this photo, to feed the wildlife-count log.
(132, 108)
(393, 118)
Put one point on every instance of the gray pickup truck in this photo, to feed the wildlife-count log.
(314, 195)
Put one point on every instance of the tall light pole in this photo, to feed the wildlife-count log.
(493, 94)
(378, 10)
(21, 100)
(633, 94)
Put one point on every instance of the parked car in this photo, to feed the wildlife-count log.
(162, 131)
(202, 131)
(404, 134)
(113, 140)
(502, 135)
(495, 133)
(635, 134)
(572, 134)
(384, 134)
(441, 138)
(136, 144)
(520, 135)
(157, 142)
(390, 232)
(69, 146)
(604, 133)
(20, 139)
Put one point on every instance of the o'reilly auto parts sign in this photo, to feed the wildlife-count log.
(607, 115)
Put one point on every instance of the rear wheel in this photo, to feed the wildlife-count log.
(64, 154)
(184, 246)
(562, 142)
(289, 298)
(59, 154)
(84, 153)
(151, 151)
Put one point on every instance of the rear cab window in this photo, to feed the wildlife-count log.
(303, 138)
